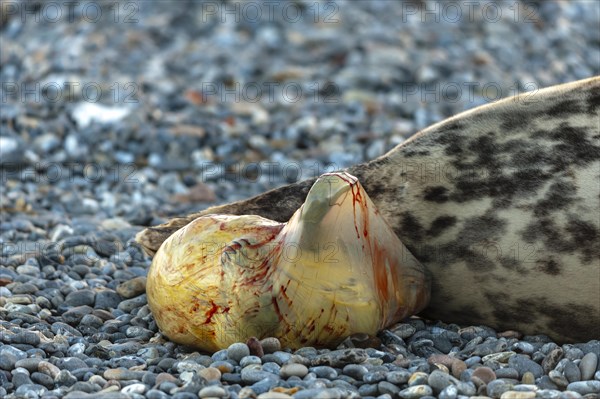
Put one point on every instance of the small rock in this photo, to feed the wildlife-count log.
(528, 378)
(132, 288)
(340, 358)
(213, 391)
(522, 364)
(517, 395)
(585, 387)
(255, 347)
(415, 392)
(237, 351)
(571, 372)
(210, 374)
(270, 345)
(588, 366)
(496, 388)
(486, 374)
(398, 377)
(293, 369)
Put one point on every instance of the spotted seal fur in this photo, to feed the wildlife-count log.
(500, 203)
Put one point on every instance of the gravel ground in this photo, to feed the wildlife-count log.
(118, 115)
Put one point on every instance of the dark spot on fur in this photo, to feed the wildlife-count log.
(593, 101)
(557, 318)
(559, 195)
(586, 237)
(513, 264)
(548, 266)
(515, 120)
(411, 226)
(437, 194)
(573, 146)
(486, 149)
(565, 108)
(453, 142)
(413, 152)
(440, 224)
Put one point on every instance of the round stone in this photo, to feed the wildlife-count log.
(213, 391)
(270, 345)
(210, 374)
(237, 351)
(588, 366)
(293, 369)
(415, 392)
(486, 374)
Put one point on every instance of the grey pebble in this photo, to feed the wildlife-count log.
(253, 374)
(237, 351)
(81, 298)
(398, 377)
(212, 391)
(585, 387)
(368, 390)
(571, 371)
(323, 372)
(496, 388)
(522, 364)
(588, 366)
(293, 369)
(385, 387)
(450, 392)
(340, 358)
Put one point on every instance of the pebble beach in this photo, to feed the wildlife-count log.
(116, 116)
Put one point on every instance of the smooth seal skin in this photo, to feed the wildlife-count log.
(335, 269)
(500, 203)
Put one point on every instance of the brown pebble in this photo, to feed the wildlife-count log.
(446, 360)
(485, 373)
(132, 288)
(550, 361)
(255, 347)
(210, 374)
(528, 378)
(162, 377)
(458, 367)
(270, 345)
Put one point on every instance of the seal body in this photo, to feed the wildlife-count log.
(501, 204)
